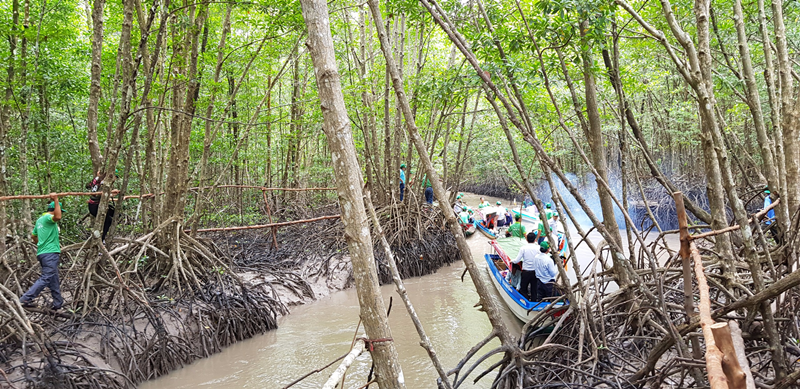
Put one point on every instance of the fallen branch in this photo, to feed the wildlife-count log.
(755, 217)
(357, 349)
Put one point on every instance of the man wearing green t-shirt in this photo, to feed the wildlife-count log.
(517, 229)
(45, 235)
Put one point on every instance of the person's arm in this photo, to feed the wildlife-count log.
(35, 239)
(57, 211)
(518, 259)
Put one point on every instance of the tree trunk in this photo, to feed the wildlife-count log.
(754, 103)
(594, 136)
(336, 125)
(483, 288)
(5, 121)
(178, 176)
(94, 86)
(789, 119)
(774, 105)
(27, 222)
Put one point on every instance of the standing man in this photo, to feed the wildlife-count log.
(546, 272)
(402, 180)
(94, 202)
(767, 203)
(527, 255)
(517, 229)
(458, 206)
(428, 190)
(48, 252)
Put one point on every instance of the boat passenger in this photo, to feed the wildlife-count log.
(527, 255)
(458, 206)
(548, 212)
(517, 229)
(514, 276)
(483, 203)
(501, 215)
(540, 232)
(527, 202)
(546, 272)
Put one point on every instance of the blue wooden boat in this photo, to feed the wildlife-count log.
(518, 304)
(485, 231)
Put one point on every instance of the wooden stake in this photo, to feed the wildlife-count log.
(685, 252)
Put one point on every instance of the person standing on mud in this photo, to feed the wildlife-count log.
(428, 190)
(48, 252)
(402, 180)
(94, 202)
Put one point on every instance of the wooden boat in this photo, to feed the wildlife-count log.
(485, 231)
(465, 223)
(517, 304)
(528, 215)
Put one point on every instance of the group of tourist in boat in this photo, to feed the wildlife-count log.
(532, 271)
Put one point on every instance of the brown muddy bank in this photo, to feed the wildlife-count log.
(122, 338)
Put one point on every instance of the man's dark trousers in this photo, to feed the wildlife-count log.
(529, 282)
(49, 278)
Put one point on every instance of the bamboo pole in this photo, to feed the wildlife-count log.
(716, 376)
(148, 195)
(714, 357)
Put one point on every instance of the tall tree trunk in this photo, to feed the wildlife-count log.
(184, 100)
(789, 115)
(5, 121)
(94, 86)
(594, 135)
(774, 104)
(27, 222)
(208, 133)
(754, 103)
(336, 125)
(483, 288)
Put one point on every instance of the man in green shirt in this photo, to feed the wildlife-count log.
(517, 229)
(45, 235)
(428, 190)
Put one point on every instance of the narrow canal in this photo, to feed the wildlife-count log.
(315, 334)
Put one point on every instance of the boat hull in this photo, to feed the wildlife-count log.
(485, 231)
(518, 305)
(527, 216)
(523, 309)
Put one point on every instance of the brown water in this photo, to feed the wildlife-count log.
(315, 334)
